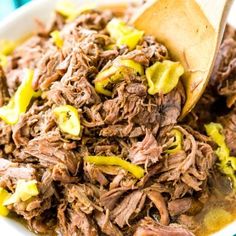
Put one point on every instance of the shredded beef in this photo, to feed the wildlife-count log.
(224, 69)
(83, 199)
(110, 198)
(179, 206)
(121, 214)
(229, 124)
(149, 227)
(105, 224)
(160, 204)
(146, 151)
(49, 151)
(16, 171)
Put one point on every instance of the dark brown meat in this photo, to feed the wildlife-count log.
(223, 76)
(179, 206)
(229, 32)
(149, 227)
(224, 65)
(229, 124)
(171, 106)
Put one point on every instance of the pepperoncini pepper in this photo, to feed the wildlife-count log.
(177, 144)
(137, 171)
(124, 34)
(23, 192)
(227, 163)
(4, 196)
(18, 104)
(115, 73)
(163, 76)
(68, 120)
(58, 41)
(70, 11)
(3, 60)
(6, 48)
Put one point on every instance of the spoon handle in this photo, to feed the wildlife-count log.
(216, 11)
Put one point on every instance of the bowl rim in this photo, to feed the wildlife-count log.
(9, 30)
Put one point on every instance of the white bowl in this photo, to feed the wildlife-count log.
(20, 23)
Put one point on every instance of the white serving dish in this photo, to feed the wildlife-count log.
(20, 23)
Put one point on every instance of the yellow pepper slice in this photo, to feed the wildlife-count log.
(163, 76)
(227, 163)
(137, 68)
(70, 10)
(57, 39)
(115, 73)
(3, 60)
(4, 196)
(214, 131)
(66, 8)
(7, 47)
(124, 34)
(110, 46)
(177, 144)
(24, 191)
(18, 104)
(137, 171)
(68, 119)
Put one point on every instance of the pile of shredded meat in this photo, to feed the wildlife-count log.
(80, 198)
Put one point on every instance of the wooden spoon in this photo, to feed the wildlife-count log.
(192, 31)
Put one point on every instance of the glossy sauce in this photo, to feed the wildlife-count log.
(219, 209)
